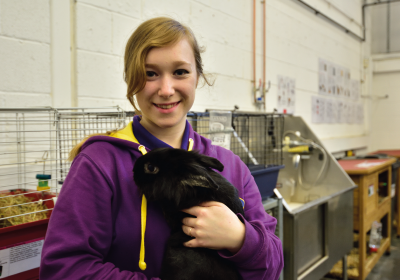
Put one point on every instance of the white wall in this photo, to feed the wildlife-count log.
(33, 35)
(385, 113)
(25, 72)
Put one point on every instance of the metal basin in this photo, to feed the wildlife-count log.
(318, 214)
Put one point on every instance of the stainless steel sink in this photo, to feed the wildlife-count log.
(318, 204)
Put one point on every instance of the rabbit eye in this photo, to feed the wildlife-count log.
(149, 168)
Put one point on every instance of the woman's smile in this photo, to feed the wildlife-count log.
(167, 107)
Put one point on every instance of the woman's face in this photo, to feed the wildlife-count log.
(170, 88)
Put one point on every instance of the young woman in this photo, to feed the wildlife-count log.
(95, 228)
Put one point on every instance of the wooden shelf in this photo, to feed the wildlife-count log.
(396, 154)
(373, 258)
(372, 202)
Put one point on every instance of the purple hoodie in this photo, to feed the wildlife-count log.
(94, 231)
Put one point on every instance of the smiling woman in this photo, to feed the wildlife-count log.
(102, 226)
(169, 91)
(155, 33)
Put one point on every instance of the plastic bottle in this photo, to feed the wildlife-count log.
(375, 236)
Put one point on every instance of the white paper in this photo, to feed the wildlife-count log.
(318, 109)
(340, 81)
(355, 89)
(286, 102)
(331, 111)
(346, 83)
(352, 111)
(341, 112)
(360, 114)
(332, 90)
(323, 87)
(367, 164)
(221, 121)
(20, 258)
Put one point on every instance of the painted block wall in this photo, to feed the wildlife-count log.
(296, 39)
(25, 72)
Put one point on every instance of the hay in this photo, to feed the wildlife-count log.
(352, 266)
(15, 208)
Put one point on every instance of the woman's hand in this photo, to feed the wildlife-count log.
(215, 227)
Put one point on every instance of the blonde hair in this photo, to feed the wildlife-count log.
(155, 33)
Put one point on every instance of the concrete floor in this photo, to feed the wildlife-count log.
(388, 267)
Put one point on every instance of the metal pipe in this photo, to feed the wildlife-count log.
(254, 51)
(264, 50)
(388, 29)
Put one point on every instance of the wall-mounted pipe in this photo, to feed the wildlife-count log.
(264, 51)
(254, 51)
(262, 86)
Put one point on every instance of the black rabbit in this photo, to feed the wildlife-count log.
(178, 179)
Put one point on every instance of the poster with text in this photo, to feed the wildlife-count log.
(323, 86)
(20, 257)
(340, 81)
(332, 79)
(331, 111)
(318, 109)
(360, 114)
(286, 95)
(355, 89)
(347, 83)
(351, 112)
(341, 112)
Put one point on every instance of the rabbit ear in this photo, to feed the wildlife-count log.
(204, 178)
(211, 162)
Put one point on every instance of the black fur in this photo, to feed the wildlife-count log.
(178, 179)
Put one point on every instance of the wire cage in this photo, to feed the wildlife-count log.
(35, 144)
(34, 147)
(256, 138)
(75, 125)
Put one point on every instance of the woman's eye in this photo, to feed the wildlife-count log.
(151, 169)
(181, 72)
(150, 74)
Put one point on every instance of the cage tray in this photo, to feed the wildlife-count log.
(266, 178)
(27, 231)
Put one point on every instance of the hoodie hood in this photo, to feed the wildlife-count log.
(134, 135)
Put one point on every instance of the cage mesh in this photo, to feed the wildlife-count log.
(255, 138)
(36, 142)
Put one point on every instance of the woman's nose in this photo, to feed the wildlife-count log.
(166, 87)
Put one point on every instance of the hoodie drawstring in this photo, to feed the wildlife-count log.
(143, 215)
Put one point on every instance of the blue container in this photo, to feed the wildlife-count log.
(266, 178)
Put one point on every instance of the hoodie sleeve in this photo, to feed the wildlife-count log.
(261, 256)
(80, 231)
